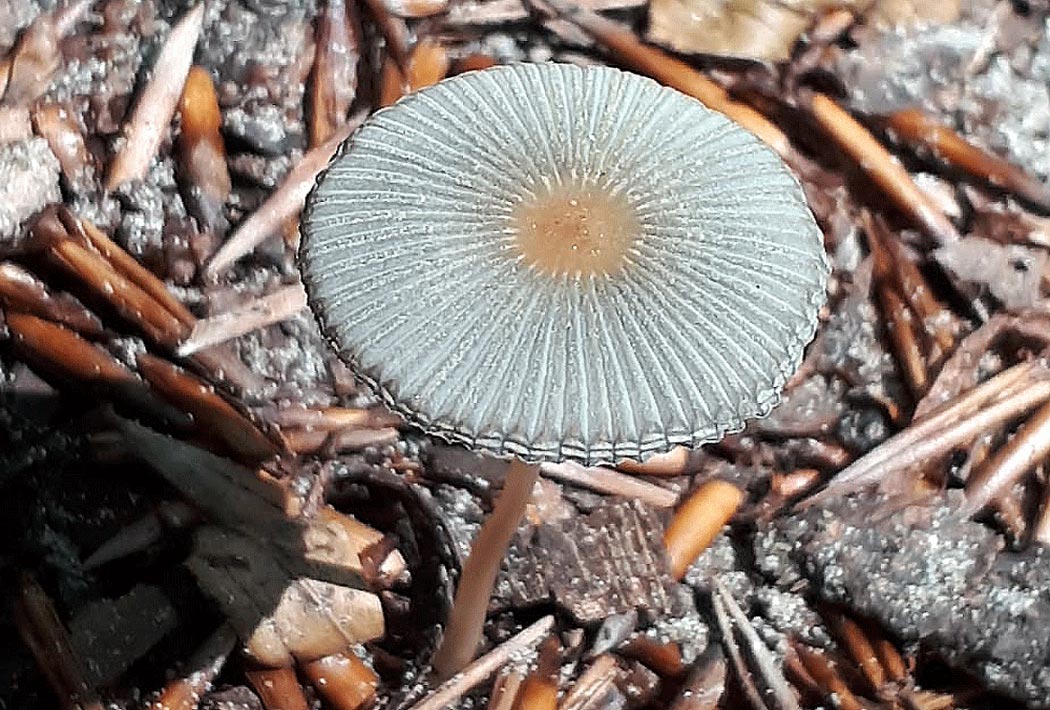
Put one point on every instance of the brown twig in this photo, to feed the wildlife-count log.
(202, 153)
(283, 203)
(823, 671)
(21, 291)
(852, 638)
(476, 673)
(610, 482)
(156, 105)
(278, 688)
(214, 416)
(185, 692)
(48, 640)
(343, 680)
(918, 129)
(282, 304)
(333, 81)
(879, 165)
(675, 462)
(540, 689)
(1005, 396)
(1028, 447)
(624, 45)
(394, 31)
(729, 616)
(698, 522)
(26, 72)
(704, 688)
(592, 683)
(428, 64)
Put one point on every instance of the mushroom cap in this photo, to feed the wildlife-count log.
(563, 262)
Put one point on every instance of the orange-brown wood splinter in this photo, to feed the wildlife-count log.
(698, 521)
(1028, 447)
(202, 155)
(343, 680)
(540, 689)
(278, 688)
(48, 640)
(879, 165)
(215, 417)
(184, 693)
(428, 64)
(824, 672)
(917, 128)
(333, 81)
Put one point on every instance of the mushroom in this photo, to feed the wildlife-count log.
(548, 262)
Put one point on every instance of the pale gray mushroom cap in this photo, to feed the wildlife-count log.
(413, 260)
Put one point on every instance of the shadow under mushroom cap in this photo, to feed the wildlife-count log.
(416, 257)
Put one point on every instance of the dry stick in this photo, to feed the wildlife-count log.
(42, 631)
(135, 272)
(476, 673)
(26, 72)
(654, 62)
(917, 128)
(478, 576)
(611, 482)
(394, 31)
(1029, 446)
(853, 639)
(698, 521)
(284, 203)
(940, 443)
(540, 689)
(333, 80)
(22, 291)
(505, 690)
(157, 104)
(214, 416)
(343, 680)
(428, 64)
(720, 600)
(828, 678)
(278, 688)
(901, 328)
(880, 166)
(1040, 531)
(937, 428)
(916, 290)
(899, 321)
(671, 463)
(203, 667)
(278, 306)
(706, 685)
(594, 681)
(760, 653)
(202, 153)
(126, 297)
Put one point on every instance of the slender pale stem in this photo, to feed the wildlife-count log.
(467, 617)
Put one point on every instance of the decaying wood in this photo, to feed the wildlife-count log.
(476, 673)
(48, 640)
(158, 101)
(698, 521)
(202, 669)
(284, 203)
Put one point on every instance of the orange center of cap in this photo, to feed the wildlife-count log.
(570, 231)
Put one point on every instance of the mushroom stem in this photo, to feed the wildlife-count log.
(478, 577)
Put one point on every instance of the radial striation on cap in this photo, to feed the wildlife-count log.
(553, 261)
